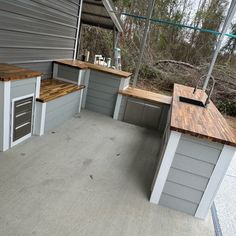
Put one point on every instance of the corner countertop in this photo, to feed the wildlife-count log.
(87, 65)
(11, 72)
(146, 95)
(198, 121)
(53, 88)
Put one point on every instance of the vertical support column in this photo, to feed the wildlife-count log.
(86, 83)
(39, 118)
(217, 176)
(6, 115)
(162, 173)
(55, 70)
(37, 89)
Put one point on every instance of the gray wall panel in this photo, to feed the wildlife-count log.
(61, 109)
(68, 72)
(191, 169)
(178, 204)
(22, 87)
(37, 31)
(102, 92)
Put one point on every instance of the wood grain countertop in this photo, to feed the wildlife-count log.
(51, 89)
(11, 72)
(199, 121)
(87, 65)
(146, 95)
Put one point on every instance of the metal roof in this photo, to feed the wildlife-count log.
(100, 13)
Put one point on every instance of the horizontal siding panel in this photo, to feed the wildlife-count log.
(69, 73)
(178, 204)
(17, 55)
(110, 82)
(182, 192)
(187, 179)
(28, 6)
(103, 96)
(100, 102)
(103, 88)
(203, 142)
(22, 39)
(198, 151)
(102, 110)
(63, 101)
(192, 165)
(36, 30)
(22, 87)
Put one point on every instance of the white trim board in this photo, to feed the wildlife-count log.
(217, 177)
(117, 107)
(13, 143)
(37, 88)
(6, 115)
(167, 159)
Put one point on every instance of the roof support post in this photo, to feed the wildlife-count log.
(116, 35)
(226, 25)
(78, 29)
(151, 4)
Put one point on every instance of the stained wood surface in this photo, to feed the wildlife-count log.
(146, 95)
(51, 89)
(87, 65)
(198, 121)
(11, 72)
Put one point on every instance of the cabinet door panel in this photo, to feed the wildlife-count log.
(133, 112)
(151, 116)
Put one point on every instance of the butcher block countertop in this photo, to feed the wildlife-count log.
(199, 121)
(51, 89)
(87, 65)
(11, 72)
(146, 95)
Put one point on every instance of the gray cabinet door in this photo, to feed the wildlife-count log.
(133, 112)
(142, 114)
(151, 116)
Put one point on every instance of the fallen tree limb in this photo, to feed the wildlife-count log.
(178, 63)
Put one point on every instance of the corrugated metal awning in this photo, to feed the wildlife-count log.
(100, 13)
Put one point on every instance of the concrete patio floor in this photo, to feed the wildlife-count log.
(91, 176)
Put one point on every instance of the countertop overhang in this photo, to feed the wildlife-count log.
(199, 121)
(86, 65)
(146, 95)
(11, 72)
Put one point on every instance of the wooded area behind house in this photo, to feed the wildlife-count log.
(167, 45)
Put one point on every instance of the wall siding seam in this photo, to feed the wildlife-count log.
(171, 181)
(103, 107)
(113, 86)
(207, 178)
(213, 164)
(201, 143)
(194, 203)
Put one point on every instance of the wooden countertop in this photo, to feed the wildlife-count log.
(146, 95)
(51, 89)
(11, 72)
(87, 65)
(198, 121)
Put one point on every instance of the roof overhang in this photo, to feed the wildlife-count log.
(101, 13)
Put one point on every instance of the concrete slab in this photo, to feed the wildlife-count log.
(91, 176)
(225, 202)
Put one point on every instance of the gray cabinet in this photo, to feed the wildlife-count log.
(142, 113)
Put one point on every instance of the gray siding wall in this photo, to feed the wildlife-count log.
(24, 87)
(102, 92)
(61, 109)
(68, 72)
(33, 33)
(191, 169)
